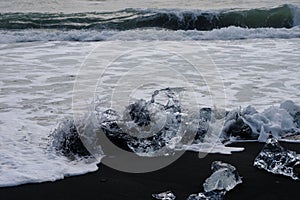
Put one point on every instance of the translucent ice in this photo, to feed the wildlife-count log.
(224, 177)
(281, 122)
(213, 195)
(275, 159)
(168, 195)
(293, 110)
(236, 126)
(147, 127)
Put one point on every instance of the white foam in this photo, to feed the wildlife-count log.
(35, 94)
(37, 79)
(211, 148)
(229, 33)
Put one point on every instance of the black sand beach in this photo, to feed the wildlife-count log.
(183, 177)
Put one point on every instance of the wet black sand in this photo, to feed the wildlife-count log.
(183, 177)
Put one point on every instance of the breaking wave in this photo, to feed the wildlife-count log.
(152, 24)
(229, 33)
(285, 16)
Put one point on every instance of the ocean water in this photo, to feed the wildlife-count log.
(52, 54)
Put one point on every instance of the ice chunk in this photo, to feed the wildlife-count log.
(168, 195)
(65, 139)
(148, 128)
(213, 195)
(275, 159)
(236, 126)
(293, 110)
(276, 121)
(280, 122)
(290, 107)
(224, 177)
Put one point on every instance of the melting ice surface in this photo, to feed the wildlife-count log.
(277, 160)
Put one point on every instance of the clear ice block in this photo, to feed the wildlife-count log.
(277, 160)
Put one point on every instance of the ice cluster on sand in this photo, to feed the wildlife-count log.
(155, 127)
(281, 122)
(223, 179)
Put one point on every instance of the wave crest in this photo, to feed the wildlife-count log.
(229, 33)
(285, 16)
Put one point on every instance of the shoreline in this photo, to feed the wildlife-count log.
(183, 177)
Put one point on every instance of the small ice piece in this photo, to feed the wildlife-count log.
(277, 160)
(168, 195)
(224, 177)
(213, 195)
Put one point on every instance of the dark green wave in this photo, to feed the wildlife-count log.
(279, 17)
